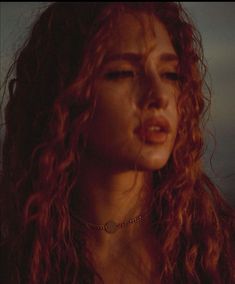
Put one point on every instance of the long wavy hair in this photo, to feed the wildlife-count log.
(50, 105)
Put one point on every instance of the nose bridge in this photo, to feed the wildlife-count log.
(155, 94)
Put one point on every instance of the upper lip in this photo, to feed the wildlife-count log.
(159, 121)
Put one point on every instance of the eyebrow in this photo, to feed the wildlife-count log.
(137, 58)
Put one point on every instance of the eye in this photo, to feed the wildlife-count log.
(119, 74)
(173, 76)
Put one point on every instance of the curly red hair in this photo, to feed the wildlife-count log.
(51, 103)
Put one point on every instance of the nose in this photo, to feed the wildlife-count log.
(155, 93)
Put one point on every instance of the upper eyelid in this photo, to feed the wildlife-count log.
(140, 72)
(170, 72)
(137, 68)
(119, 64)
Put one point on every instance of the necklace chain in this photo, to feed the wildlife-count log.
(110, 226)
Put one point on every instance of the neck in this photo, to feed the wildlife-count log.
(106, 194)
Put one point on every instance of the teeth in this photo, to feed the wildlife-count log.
(154, 128)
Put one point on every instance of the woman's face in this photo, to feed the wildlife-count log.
(135, 120)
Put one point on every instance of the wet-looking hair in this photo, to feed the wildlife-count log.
(51, 103)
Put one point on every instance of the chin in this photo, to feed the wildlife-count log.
(152, 164)
(154, 158)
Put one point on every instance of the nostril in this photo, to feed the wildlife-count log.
(158, 102)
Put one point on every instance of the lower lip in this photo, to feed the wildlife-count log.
(153, 137)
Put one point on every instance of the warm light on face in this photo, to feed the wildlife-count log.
(135, 120)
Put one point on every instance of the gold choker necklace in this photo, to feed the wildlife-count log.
(111, 226)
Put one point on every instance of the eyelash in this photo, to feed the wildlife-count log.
(173, 76)
(123, 74)
(115, 75)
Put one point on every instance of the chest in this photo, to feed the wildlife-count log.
(116, 274)
(130, 266)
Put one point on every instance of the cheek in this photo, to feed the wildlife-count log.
(112, 119)
(115, 105)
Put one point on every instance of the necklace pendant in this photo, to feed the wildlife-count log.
(110, 227)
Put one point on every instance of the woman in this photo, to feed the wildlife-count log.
(102, 173)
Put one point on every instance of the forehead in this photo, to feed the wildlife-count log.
(139, 32)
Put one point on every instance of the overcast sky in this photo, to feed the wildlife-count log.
(216, 22)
